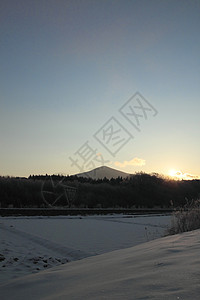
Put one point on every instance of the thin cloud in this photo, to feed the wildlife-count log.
(133, 162)
(185, 176)
(190, 176)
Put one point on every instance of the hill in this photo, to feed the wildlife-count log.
(102, 172)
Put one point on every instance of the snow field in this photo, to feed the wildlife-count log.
(32, 244)
(162, 269)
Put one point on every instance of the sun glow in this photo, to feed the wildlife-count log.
(176, 174)
(172, 173)
(179, 175)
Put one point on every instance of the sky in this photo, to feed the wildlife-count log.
(90, 83)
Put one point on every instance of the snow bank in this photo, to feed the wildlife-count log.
(166, 268)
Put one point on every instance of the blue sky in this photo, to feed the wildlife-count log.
(68, 66)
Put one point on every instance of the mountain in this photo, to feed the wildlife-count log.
(102, 172)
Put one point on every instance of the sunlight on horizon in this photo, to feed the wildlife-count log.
(179, 175)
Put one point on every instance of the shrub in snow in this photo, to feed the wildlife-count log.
(187, 218)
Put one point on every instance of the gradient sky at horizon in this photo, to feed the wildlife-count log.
(68, 66)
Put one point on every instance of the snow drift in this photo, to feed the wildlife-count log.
(166, 268)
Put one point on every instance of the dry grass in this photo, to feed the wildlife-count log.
(186, 219)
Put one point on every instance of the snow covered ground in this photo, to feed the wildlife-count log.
(32, 244)
(162, 269)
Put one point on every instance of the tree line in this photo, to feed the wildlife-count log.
(140, 190)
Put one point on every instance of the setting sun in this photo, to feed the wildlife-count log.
(179, 175)
(172, 173)
(176, 174)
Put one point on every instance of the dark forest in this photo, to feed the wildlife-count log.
(138, 191)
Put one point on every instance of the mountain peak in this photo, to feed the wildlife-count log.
(102, 172)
